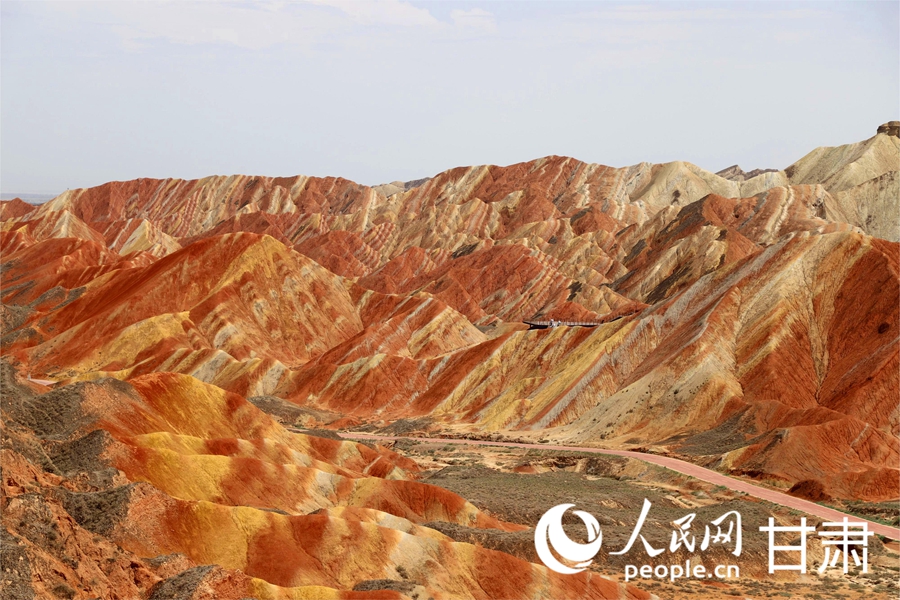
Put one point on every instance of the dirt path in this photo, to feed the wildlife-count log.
(674, 464)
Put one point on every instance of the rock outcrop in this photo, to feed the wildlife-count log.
(890, 128)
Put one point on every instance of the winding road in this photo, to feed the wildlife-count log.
(680, 466)
(674, 464)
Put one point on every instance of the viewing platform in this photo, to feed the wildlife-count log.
(551, 324)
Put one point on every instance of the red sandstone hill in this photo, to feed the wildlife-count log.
(751, 325)
(168, 487)
(10, 209)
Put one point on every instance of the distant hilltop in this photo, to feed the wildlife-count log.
(735, 173)
(29, 198)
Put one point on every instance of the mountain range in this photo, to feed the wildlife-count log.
(747, 322)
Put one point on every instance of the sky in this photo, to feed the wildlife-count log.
(391, 90)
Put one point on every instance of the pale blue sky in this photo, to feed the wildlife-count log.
(380, 91)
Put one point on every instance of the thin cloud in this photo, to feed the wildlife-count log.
(253, 26)
(645, 13)
(382, 12)
(475, 18)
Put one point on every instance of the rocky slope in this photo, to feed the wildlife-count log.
(168, 487)
(747, 322)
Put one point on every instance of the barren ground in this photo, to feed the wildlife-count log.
(520, 485)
